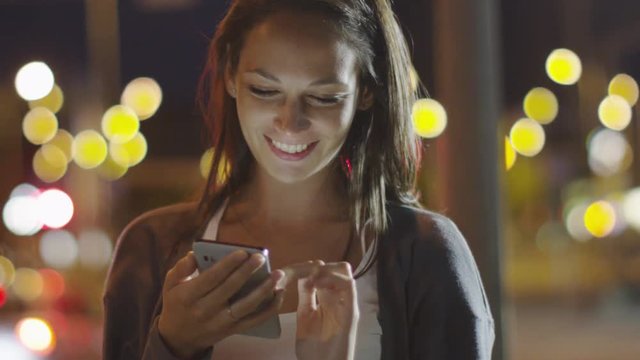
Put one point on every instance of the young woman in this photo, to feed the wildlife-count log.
(308, 102)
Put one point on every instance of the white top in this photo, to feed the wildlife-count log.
(242, 347)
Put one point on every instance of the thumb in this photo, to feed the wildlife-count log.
(185, 269)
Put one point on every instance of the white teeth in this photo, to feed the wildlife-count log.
(291, 149)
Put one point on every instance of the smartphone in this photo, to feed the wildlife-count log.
(209, 252)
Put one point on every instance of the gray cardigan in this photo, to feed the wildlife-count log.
(432, 303)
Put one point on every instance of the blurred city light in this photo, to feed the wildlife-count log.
(89, 149)
(58, 249)
(607, 150)
(574, 220)
(120, 124)
(49, 163)
(206, 162)
(53, 101)
(130, 153)
(143, 95)
(24, 189)
(600, 219)
(527, 137)
(614, 112)
(11, 347)
(564, 67)
(429, 118)
(631, 208)
(56, 208)
(27, 285)
(64, 141)
(20, 215)
(111, 170)
(3, 296)
(95, 248)
(625, 86)
(39, 125)
(541, 105)
(53, 284)
(7, 272)
(36, 335)
(509, 153)
(34, 81)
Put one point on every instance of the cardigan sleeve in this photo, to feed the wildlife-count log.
(449, 314)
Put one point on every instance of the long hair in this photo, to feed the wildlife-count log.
(381, 154)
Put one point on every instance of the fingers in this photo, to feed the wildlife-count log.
(250, 303)
(299, 271)
(182, 269)
(215, 275)
(260, 316)
(231, 284)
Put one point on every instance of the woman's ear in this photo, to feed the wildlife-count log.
(365, 98)
(229, 82)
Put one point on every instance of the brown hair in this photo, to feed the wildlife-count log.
(381, 150)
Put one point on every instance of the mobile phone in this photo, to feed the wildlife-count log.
(209, 252)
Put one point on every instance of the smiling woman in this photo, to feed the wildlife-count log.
(309, 104)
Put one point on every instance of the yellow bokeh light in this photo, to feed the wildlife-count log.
(625, 86)
(7, 272)
(50, 163)
(64, 141)
(413, 78)
(111, 170)
(144, 96)
(527, 137)
(36, 335)
(34, 81)
(600, 219)
(206, 162)
(429, 118)
(564, 67)
(541, 105)
(130, 153)
(120, 124)
(27, 284)
(614, 112)
(53, 101)
(89, 149)
(509, 153)
(39, 125)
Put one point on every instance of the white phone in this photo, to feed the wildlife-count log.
(209, 252)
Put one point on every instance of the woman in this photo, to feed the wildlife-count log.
(308, 102)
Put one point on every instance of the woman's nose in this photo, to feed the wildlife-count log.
(291, 117)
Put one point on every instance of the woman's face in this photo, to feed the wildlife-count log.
(296, 90)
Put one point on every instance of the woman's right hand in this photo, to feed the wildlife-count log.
(195, 312)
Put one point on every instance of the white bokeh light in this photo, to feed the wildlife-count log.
(21, 215)
(607, 149)
(36, 335)
(34, 81)
(95, 248)
(59, 249)
(631, 208)
(24, 189)
(56, 208)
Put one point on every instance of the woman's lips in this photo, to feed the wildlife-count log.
(288, 156)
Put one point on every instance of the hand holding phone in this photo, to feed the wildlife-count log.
(195, 312)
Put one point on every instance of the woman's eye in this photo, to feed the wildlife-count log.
(331, 100)
(262, 92)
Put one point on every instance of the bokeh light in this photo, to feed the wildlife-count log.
(120, 124)
(24, 189)
(36, 335)
(143, 95)
(509, 153)
(56, 208)
(3, 296)
(574, 220)
(614, 112)
(50, 163)
(64, 141)
(53, 284)
(527, 137)
(34, 81)
(631, 208)
(95, 248)
(206, 162)
(39, 125)
(7, 272)
(429, 118)
(53, 101)
(600, 219)
(89, 149)
(541, 105)
(27, 285)
(564, 67)
(21, 216)
(130, 153)
(413, 78)
(111, 170)
(59, 249)
(607, 151)
(625, 86)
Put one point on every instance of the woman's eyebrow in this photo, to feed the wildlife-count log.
(321, 82)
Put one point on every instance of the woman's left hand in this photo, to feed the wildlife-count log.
(327, 314)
